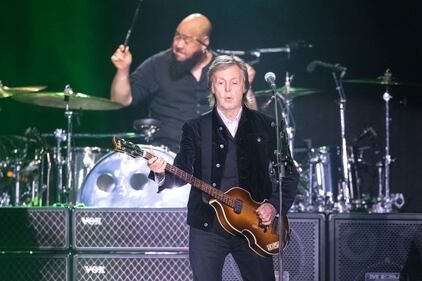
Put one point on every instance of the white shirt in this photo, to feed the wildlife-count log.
(231, 124)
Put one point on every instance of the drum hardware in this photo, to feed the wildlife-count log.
(387, 157)
(338, 72)
(69, 101)
(365, 142)
(384, 204)
(7, 91)
(319, 194)
(18, 169)
(67, 98)
(284, 97)
(147, 127)
(290, 93)
(4, 199)
(60, 136)
(384, 80)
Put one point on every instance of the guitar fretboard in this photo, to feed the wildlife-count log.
(203, 186)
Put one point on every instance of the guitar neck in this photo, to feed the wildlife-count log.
(201, 185)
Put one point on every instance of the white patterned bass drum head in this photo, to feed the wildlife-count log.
(119, 180)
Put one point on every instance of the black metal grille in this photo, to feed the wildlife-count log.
(130, 229)
(131, 267)
(34, 229)
(231, 271)
(364, 245)
(34, 267)
(303, 257)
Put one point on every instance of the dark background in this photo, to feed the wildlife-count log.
(55, 43)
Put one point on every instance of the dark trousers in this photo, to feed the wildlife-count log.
(207, 251)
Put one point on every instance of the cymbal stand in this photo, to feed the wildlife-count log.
(343, 204)
(70, 197)
(60, 136)
(387, 157)
(17, 172)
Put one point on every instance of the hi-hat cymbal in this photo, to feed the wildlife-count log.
(7, 91)
(60, 99)
(290, 92)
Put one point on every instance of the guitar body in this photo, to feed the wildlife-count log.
(264, 240)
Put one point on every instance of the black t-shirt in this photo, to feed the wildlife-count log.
(172, 102)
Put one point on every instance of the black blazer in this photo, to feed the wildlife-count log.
(255, 142)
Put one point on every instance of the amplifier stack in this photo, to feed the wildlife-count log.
(34, 244)
(89, 244)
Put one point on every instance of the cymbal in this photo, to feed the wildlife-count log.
(380, 80)
(60, 99)
(291, 92)
(7, 92)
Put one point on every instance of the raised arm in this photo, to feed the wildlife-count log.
(120, 87)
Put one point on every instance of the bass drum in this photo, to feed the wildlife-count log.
(119, 180)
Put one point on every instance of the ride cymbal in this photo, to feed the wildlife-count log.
(74, 100)
(381, 80)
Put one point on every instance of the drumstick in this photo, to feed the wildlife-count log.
(135, 16)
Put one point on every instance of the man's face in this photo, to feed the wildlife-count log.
(228, 87)
(185, 42)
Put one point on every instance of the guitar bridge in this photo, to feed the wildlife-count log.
(237, 206)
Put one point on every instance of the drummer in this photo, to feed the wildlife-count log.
(173, 81)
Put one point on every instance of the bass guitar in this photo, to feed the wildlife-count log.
(235, 208)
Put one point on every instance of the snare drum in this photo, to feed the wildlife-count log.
(119, 180)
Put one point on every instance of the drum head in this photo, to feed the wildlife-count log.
(119, 180)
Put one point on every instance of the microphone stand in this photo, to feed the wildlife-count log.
(279, 182)
(344, 193)
(287, 113)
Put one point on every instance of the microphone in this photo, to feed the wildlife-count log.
(336, 67)
(231, 52)
(270, 79)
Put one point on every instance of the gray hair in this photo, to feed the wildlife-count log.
(223, 62)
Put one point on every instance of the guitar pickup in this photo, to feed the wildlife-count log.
(237, 206)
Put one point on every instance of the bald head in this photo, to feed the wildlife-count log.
(196, 25)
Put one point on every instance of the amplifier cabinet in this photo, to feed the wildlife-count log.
(304, 257)
(115, 229)
(375, 247)
(33, 228)
(130, 267)
(34, 267)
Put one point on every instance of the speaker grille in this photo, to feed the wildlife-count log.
(366, 244)
(303, 259)
(34, 229)
(130, 229)
(34, 267)
(131, 267)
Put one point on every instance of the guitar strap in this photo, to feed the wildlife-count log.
(206, 147)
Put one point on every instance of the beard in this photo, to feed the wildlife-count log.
(179, 68)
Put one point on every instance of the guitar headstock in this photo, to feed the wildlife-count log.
(127, 147)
